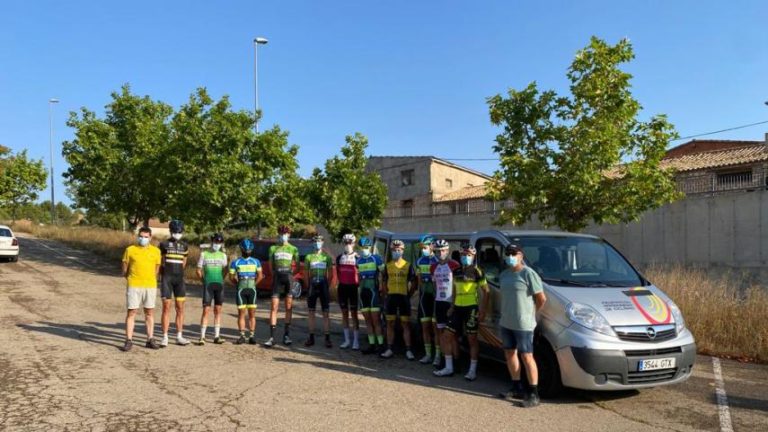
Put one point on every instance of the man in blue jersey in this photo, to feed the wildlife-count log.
(245, 273)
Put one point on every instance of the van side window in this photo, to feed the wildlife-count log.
(489, 255)
(380, 247)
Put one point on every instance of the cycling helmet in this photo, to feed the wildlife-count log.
(426, 240)
(317, 238)
(348, 238)
(512, 249)
(246, 246)
(217, 238)
(397, 244)
(365, 242)
(176, 226)
(441, 244)
(283, 229)
(468, 249)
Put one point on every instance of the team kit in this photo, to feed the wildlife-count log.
(453, 296)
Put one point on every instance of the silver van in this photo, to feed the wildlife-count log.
(604, 326)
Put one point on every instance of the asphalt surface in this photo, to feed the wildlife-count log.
(61, 326)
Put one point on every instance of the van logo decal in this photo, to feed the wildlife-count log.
(653, 308)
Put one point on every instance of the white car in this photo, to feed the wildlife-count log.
(9, 244)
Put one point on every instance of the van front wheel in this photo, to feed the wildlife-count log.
(550, 384)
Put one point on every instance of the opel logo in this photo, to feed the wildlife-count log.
(651, 333)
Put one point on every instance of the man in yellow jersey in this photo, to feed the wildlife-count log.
(141, 264)
(398, 279)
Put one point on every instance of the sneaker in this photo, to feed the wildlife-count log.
(370, 350)
(287, 340)
(241, 340)
(181, 341)
(437, 361)
(511, 395)
(382, 349)
(269, 343)
(164, 342)
(151, 344)
(427, 359)
(252, 340)
(218, 340)
(531, 400)
(409, 355)
(328, 343)
(445, 372)
(356, 346)
(344, 345)
(128, 345)
(470, 376)
(387, 354)
(200, 342)
(310, 341)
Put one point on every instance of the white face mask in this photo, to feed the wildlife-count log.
(366, 252)
(143, 241)
(349, 248)
(176, 236)
(318, 245)
(284, 238)
(426, 252)
(216, 247)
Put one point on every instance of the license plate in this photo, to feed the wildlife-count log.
(653, 364)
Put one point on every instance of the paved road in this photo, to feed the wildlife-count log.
(61, 323)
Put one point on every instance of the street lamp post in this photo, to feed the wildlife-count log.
(256, 42)
(50, 144)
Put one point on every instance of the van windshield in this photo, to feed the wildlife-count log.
(577, 261)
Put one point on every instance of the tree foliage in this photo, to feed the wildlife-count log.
(584, 158)
(20, 180)
(345, 197)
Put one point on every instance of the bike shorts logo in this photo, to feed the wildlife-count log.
(653, 308)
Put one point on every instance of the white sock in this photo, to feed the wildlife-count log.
(178, 335)
(165, 335)
(356, 335)
(473, 366)
(202, 331)
(346, 335)
(216, 331)
(449, 362)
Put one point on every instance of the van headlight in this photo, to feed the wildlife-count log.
(587, 316)
(677, 315)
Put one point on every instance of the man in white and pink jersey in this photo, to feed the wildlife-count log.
(442, 277)
(346, 270)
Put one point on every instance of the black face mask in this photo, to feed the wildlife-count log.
(246, 254)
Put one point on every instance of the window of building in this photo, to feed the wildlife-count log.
(448, 183)
(734, 178)
(407, 177)
(407, 207)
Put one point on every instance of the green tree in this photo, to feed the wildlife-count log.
(345, 197)
(587, 157)
(20, 180)
(117, 164)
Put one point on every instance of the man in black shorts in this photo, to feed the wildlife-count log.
(317, 270)
(284, 261)
(174, 252)
(346, 271)
(211, 269)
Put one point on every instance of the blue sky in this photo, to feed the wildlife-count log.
(412, 76)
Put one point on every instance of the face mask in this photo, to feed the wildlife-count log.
(176, 236)
(284, 238)
(443, 255)
(366, 252)
(511, 260)
(426, 252)
(216, 247)
(246, 254)
(143, 241)
(319, 245)
(396, 255)
(349, 248)
(466, 260)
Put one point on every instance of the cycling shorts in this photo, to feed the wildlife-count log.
(173, 286)
(398, 305)
(213, 292)
(319, 290)
(281, 284)
(246, 298)
(464, 319)
(427, 307)
(370, 301)
(441, 314)
(348, 297)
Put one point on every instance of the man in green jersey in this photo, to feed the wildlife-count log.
(317, 269)
(211, 268)
(284, 260)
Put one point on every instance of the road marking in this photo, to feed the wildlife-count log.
(722, 399)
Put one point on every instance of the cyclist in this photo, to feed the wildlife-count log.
(398, 278)
(369, 267)
(427, 298)
(174, 252)
(141, 263)
(284, 260)
(466, 315)
(317, 268)
(211, 268)
(245, 273)
(442, 277)
(346, 271)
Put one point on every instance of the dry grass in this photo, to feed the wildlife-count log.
(727, 319)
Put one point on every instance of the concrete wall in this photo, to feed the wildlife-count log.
(725, 230)
(460, 178)
(390, 169)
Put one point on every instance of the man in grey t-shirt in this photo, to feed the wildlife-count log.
(521, 296)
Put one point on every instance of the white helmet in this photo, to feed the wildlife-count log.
(348, 238)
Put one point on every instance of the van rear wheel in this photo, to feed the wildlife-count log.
(550, 384)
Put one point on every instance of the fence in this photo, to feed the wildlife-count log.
(713, 182)
(473, 206)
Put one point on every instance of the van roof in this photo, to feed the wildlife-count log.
(467, 234)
